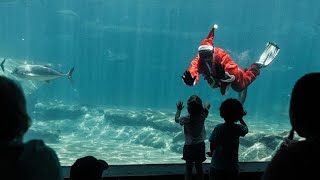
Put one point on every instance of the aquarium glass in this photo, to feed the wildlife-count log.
(128, 56)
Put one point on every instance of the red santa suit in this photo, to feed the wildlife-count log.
(238, 78)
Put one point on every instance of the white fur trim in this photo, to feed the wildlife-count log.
(205, 47)
(230, 79)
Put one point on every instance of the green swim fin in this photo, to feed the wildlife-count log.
(269, 53)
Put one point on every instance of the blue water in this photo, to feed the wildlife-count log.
(129, 56)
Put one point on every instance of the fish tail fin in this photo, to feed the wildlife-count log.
(69, 74)
(2, 64)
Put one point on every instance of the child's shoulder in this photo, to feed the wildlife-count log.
(219, 126)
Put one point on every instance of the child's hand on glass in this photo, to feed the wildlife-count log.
(207, 105)
(180, 105)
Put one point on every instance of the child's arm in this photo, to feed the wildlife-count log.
(244, 128)
(288, 140)
(212, 148)
(242, 122)
(213, 142)
(206, 108)
(241, 119)
(179, 109)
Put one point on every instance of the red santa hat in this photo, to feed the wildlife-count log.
(207, 44)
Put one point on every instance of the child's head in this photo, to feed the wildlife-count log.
(15, 120)
(231, 110)
(88, 167)
(194, 105)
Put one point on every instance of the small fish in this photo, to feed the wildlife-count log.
(67, 12)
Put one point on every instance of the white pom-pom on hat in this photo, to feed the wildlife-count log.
(215, 26)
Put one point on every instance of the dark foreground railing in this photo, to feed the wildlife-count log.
(248, 171)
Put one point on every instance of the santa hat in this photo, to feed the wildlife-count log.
(207, 44)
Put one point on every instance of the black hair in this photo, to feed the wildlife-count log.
(304, 105)
(194, 105)
(231, 110)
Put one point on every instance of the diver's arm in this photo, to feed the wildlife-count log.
(194, 69)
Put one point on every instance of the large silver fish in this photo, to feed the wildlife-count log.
(39, 72)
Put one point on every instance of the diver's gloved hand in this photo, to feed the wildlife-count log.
(219, 71)
(188, 79)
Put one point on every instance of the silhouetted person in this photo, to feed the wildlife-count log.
(300, 159)
(88, 168)
(32, 160)
(224, 141)
(194, 133)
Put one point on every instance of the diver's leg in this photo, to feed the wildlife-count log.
(244, 79)
(242, 95)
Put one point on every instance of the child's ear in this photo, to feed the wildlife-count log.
(244, 112)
